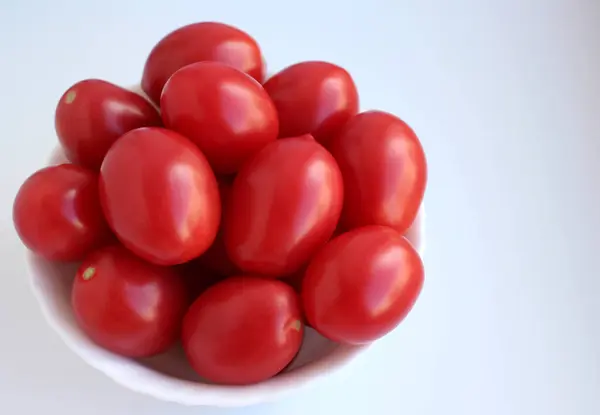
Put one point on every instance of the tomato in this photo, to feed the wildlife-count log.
(57, 213)
(207, 41)
(126, 305)
(160, 196)
(284, 205)
(313, 97)
(384, 170)
(92, 114)
(361, 285)
(243, 330)
(216, 259)
(307, 137)
(224, 111)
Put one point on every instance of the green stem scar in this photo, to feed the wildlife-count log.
(70, 97)
(88, 273)
(297, 325)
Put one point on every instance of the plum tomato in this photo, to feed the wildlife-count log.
(205, 41)
(216, 259)
(313, 97)
(92, 114)
(126, 305)
(361, 285)
(57, 213)
(224, 111)
(284, 205)
(160, 196)
(243, 330)
(384, 170)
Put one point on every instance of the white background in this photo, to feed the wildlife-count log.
(505, 96)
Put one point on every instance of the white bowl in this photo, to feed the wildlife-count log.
(169, 377)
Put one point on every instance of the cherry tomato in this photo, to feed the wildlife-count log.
(216, 259)
(160, 196)
(57, 213)
(313, 97)
(126, 305)
(284, 205)
(207, 41)
(384, 170)
(243, 330)
(362, 284)
(92, 114)
(224, 111)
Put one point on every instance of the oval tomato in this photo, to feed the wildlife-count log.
(92, 114)
(285, 204)
(216, 259)
(313, 97)
(361, 285)
(206, 41)
(57, 213)
(160, 196)
(126, 305)
(243, 330)
(224, 111)
(384, 170)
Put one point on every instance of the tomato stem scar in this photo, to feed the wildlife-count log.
(88, 273)
(70, 97)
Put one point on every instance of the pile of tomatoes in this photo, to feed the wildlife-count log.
(227, 211)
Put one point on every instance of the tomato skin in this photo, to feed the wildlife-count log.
(206, 41)
(92, 114)
(361, 285)
(313, 97)
(284, 205)
(216, 259)
(126, 305)
(57, 213)
(160, 196)
(243, 330)
(384, 170)
(224, 111)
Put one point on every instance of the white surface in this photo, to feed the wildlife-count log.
(505, 96)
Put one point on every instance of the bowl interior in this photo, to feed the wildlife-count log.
(169, 376)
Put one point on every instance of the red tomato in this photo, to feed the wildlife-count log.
(243, 330)
(199, 42)
(126, 305)
(384, 170)
(313, 97)
(160, 196)
(92, 114)
(361, 285)
(224, 111)
(216, 259)
(308, 137)
(57, 213)
(284, 205)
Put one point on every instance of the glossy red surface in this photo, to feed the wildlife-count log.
(361, 285)
(384, 170)
(160, 196)
(224, 111)
(216, 259)
(285, 204)
(243, 330)
(92, 114)
(126, 305)
(57, 213)
(198, 42)
(313, 97)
